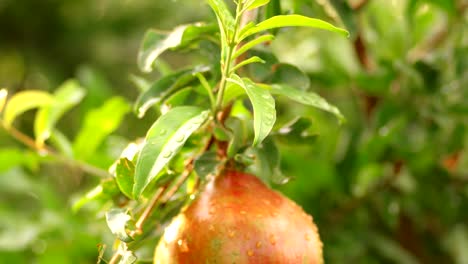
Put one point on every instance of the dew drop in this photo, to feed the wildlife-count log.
(211, 228)
(231, 234)
(259, 244)
(163, 132)
(250, 253)
(212, 210)
(307, 237)
(266, 96)
(243, 212)
(180, 138)
(183, 245)
(272, 239)
(167, 154)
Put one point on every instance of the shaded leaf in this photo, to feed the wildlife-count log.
(295, 132)
(164, 87)
(67, 95)
(155, 43)
(124, 176)
(206, 164)
(163, 140)
(263, 106)
(291, 21)
(117, 220)
(98, 124)
(22, 102)
(307, 98)
(283, 73)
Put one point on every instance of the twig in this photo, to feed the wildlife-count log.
(115, 258)
(45, 150)
(359, 5)
(144, 216)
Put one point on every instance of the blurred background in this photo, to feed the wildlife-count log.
(388, 186)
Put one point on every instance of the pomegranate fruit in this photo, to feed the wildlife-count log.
(237, 219)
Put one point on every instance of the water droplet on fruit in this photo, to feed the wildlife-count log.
(231, 234)
(273, 239)
(167, 154)
(211, 228)
(307, 237)
(163, 132)
(243, 212)
(183, 245)
(259, 244)
(266, 96)
(250, 253)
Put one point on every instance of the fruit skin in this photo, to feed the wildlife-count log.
(237, 219)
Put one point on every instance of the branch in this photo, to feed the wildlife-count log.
(48, 151)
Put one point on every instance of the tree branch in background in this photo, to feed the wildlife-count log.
(47, 151)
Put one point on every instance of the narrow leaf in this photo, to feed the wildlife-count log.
(164, 87)
(155, 43)
(250, 60)
(117, 220)
(66, 96)
(307, 98)
(223, 14)
(98, 124)
(263, 106)
(124, 175)
(291, 21)
(247, 46)
(163, 141)
(252, 4)
(22, 102)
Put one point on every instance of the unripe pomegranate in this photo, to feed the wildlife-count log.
(237, 219)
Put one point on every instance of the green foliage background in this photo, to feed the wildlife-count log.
(388, 186)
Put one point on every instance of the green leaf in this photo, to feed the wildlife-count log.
(105, 191)
(295, 132)
(163, 141)
(247, 46)
(98, 124)
(287, 74)
(223, 15)
(155, 43)
(166, 86)
(239, 135)
(117, 220)
(22, 102)
(307, 98)
(263, 106)
(67, 95)
(266, 162)
(248, 61)
(124, 175)
(252, 4)
(291, 21)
